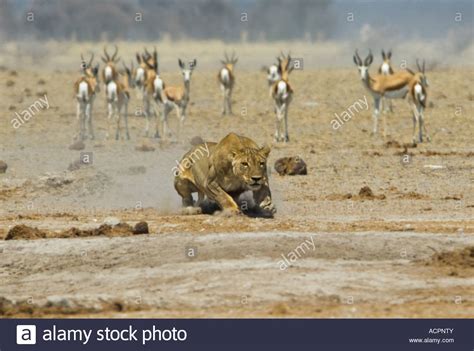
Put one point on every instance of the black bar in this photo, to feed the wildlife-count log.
(245, 334)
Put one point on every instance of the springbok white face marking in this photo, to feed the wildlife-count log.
(140, 76)
(108, 73)
(272, 74)
(385, 68)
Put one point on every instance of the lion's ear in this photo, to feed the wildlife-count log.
(265, 150)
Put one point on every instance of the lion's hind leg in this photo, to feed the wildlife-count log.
(185, 189)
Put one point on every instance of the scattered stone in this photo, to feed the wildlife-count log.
(41, 82)
(462, 258)
(41, 93)
(10, 83)
(291, 166)
(57, 181)
(145, 148)
(393, 143)
(133, 170)
(366, 193)
(77, 145)
(3, 167)
(13, 73)
(112, 221)
(11, 108)
(74, 166)
(141, 228)
(24, 232)
(197, 140)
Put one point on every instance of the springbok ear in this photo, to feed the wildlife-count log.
(193, 64)
(223, 62)
(265, 150)
(103, 59)
(139, 59)
(180, 63)
(389, 54)
(383, 54)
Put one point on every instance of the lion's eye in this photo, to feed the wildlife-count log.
(245, 164)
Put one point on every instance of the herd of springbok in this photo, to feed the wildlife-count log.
(158, 96)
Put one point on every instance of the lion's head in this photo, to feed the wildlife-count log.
(250, 164)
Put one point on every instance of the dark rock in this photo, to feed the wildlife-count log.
(78, 145)
(3, 167)
(197, 140)
(291, 166)
(141, 228)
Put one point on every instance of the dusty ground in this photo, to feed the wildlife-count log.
(377, 256)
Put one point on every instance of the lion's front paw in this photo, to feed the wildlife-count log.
(268, 205)
(229, 212)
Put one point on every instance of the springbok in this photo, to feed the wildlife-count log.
(282, 94)
(110, 72)
(393, 86)
(418, 93)
(226, 80)
(85, 90)
(178, 97)
(118, 95)
(153, 89)
(386, 69)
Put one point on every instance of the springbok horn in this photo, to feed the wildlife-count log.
(423, 66)
(107, 57)
(115, 53)
(146, 52)
(418, 65)
(90, 61)
(359, 60)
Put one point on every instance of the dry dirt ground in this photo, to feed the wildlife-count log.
(406, 251)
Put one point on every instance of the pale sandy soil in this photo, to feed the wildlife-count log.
(372, 257)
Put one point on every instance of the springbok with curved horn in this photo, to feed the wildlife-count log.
(85, 90)
(118, 95)
(386, 69)
(393, 86)
(110, 72)
(153, 89)
(282, 94)
(226, 80)
(419, 95)
(178, 97)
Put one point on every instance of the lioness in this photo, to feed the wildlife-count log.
(223, 171)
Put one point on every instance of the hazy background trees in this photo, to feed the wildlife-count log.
(231, 19)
